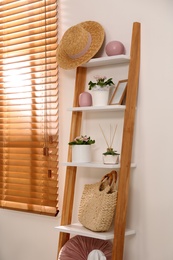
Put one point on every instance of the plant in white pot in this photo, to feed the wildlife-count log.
(110, 156)
(81, 149)
(100, 90)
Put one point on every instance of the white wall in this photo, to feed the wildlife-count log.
(33, 237)
(151, 196)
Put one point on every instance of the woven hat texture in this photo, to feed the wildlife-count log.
(79, 44)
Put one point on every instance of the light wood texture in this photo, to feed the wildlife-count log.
(71, 171)
(126, 152)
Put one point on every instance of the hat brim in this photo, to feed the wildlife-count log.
(97, 35)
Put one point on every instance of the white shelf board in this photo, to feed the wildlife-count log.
(96, 165)
(107, 60)
(78, 229)
(99, 108)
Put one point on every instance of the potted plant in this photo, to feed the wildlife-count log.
(100, 83)
(100, 90)
(81, 149)
(110, 156)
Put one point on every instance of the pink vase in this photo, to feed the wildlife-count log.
(85, 99)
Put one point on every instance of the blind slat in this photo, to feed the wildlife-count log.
(28, 207)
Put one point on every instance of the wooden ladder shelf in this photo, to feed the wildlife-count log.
(126, 151)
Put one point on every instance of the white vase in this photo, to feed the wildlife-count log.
(110, 159)
(100, 97)
(81, 153)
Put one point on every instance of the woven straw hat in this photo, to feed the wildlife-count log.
(79, 44)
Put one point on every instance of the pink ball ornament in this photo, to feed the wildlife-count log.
(114, 48)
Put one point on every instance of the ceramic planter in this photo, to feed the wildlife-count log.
(100, 97)
(81, 153)
(110, 159)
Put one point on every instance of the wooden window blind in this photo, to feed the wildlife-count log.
(29, 106)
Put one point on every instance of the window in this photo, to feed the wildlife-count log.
(29, 106)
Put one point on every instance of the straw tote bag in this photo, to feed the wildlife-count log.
(98, 203)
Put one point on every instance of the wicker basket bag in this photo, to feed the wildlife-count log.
(98, 203)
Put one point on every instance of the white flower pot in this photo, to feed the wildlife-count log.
(81, 153)
(100, 97)
(110, 159)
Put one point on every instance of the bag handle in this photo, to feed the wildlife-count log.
(111, 176)
(108, 182)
